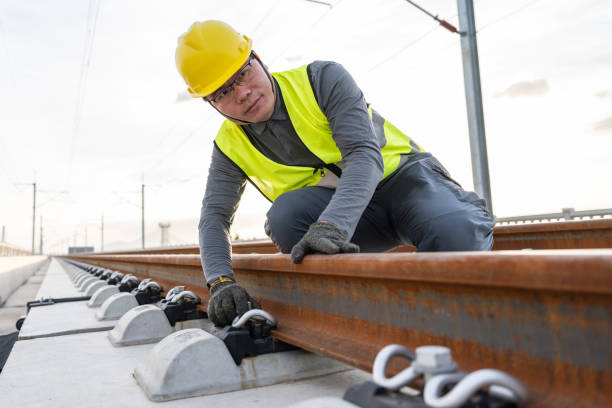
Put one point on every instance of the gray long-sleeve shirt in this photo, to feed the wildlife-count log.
(343, 103)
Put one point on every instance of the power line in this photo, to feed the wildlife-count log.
(453, 42)
(265, 17)
(508, 15)
(59, 193)
(417, 39)
(404, 48)
(179, 145)
(495, 21)
(442, 22)
(10, 77)
(321, 2)
(94, 9)
(123, 200)
(304, 32)
(8, 165)
(7, 168)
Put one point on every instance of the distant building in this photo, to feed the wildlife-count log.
(79, 249)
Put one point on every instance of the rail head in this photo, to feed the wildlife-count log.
(584, 270)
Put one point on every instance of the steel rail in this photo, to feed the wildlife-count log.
(555, 235)
(551, 235)
(544, 317)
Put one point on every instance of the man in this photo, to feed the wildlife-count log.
(340, 177)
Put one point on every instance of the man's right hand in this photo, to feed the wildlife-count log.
(228, 300)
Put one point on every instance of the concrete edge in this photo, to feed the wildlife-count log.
(12, 279)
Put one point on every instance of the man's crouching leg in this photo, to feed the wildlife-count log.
(467, 229)
(437, 214)
(292, 213)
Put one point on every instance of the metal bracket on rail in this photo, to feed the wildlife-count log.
(444, 386)
(249, 335)
(128, 283)
(115, 278)
(106, 274)
(181, 305)
(148, 291)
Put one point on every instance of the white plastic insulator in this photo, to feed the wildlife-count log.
(255, 314)
(383, 357)
(467, 386)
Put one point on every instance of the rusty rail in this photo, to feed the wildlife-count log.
(555, 235)
(542, 316)
(552, 235)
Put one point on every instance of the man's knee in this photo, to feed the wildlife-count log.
(278, 226)
(290, 216)
(459, 231)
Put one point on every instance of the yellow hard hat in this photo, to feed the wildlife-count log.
(208, 54)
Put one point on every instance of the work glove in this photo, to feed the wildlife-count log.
(322, 237)
(228, 300)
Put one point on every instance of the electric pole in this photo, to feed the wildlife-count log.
(41, 237)
(142, 208)
(102, 235)
(33, 217)
(473, 97)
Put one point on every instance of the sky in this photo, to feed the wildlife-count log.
(92, 107)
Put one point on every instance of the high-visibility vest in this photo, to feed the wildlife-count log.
(272, 178)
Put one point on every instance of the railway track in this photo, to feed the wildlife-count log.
(544, 316)
(558, 235)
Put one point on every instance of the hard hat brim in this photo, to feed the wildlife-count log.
(227, 74)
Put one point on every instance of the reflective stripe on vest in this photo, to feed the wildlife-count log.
(272, 178)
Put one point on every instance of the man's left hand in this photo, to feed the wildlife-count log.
(322, 237)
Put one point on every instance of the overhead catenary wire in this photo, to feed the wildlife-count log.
(7, 163)
(7, 61)
(508, 15)
(448, 44)
(403, 49)
(182, 143)
(265, 17)
(92, 22)
(419, 38)
(321, 2)
(55, 197)
(495, 21)
(442, 22)
(303, 32)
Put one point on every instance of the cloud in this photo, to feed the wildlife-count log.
(604, 95)
(603, 126)
(539, 87)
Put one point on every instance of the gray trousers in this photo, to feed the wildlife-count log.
(420, 204)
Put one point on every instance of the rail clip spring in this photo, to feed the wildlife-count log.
(435, 363)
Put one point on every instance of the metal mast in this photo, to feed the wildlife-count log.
(473, 97)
